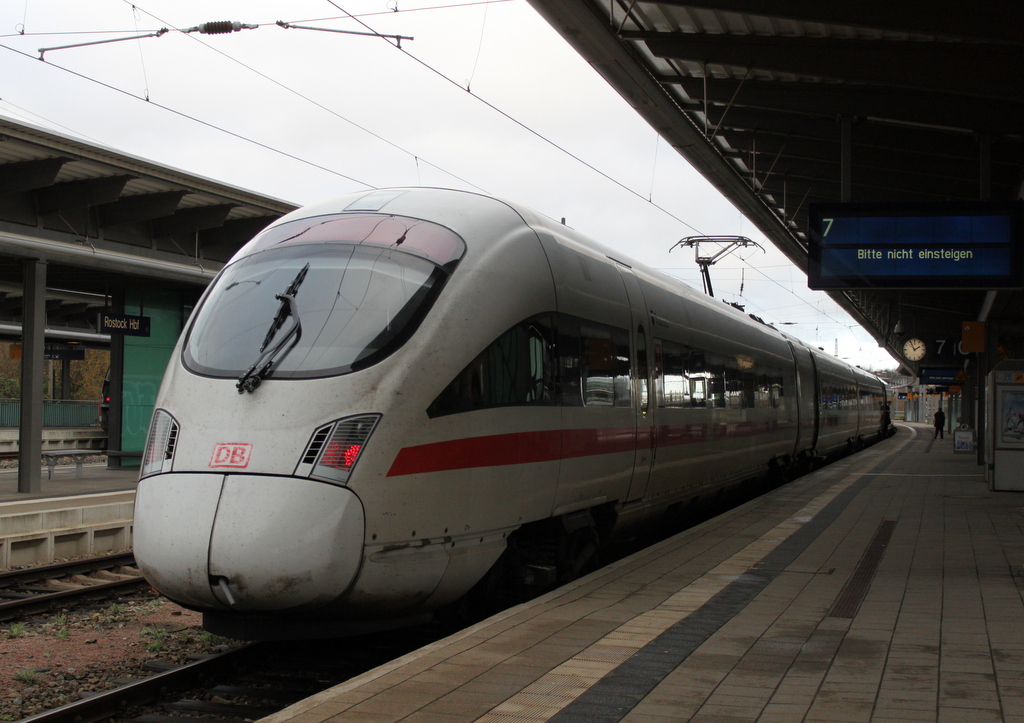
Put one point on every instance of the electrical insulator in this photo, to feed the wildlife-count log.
(220, 27)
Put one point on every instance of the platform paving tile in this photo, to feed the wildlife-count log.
(319, 714)
(399, 701)
(898, 716)
(427, 716)
(841, 711)
(958, 715)
(782, 713)
(738, 710)
(1012, 704)
(677, 710)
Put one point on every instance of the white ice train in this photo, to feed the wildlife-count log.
(382, 394)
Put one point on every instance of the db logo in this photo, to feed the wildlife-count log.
(231, 454)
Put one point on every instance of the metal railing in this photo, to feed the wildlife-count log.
(56, 413)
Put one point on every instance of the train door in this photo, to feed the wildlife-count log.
(643, 405)
(807, 398)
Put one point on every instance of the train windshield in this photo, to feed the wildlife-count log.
(320, 306)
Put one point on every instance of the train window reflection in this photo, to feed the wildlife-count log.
(598, 366)
(594, 362)
(673, 393)
(413, 236)
(604, 366)
(355, 306)
(699, 376)
(516, 369)
(698, 393)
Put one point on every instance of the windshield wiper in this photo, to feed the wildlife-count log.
(261, 367)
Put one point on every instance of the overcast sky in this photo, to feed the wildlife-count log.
(486, 97)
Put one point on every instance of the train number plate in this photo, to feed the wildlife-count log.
(231, 454)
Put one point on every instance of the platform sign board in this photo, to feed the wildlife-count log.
(1004, 404)
(940, 377)
(941, 246)
(124, 324)
(63, 353)
(963, 441)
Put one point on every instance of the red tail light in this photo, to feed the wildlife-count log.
(341, 449)
(339, 456)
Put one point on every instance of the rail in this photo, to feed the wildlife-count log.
(56, 413)
(37, 588)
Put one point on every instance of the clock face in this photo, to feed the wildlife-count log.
(914, 349)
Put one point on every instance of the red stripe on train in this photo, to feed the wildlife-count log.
(498, 450)
(504, 449)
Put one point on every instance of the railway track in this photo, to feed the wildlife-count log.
(36, 589)
(244, 684)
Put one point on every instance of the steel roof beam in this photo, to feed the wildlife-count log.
(821, 100)
(190, 220)
(131, 209)
(996, 71)
(912, 146)
(65, 310)
(29, 175)
(952, 18)
(787, 158)
(80, 194)
(234, 232)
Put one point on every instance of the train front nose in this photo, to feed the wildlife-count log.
(247, 542)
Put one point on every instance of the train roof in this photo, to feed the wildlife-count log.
(415, 200)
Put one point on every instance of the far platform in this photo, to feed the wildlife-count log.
(885, 587)
(96, 478)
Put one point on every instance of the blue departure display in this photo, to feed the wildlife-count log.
(967, 246)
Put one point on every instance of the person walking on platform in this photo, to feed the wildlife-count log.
(940, 424)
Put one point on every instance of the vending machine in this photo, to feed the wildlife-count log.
(1004, 453)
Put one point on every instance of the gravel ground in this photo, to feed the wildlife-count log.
(48, 662)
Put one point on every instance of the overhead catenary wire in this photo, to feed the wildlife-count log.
(323, 107)
(194, 119)
(517, 122)
(416, 157)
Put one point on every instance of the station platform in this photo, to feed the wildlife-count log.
(95, 478)
(884, 587)
(68, 517)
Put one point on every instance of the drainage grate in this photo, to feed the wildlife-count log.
(849, 600)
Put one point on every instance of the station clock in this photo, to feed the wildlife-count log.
(914, 350)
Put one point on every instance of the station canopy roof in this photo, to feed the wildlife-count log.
(756, 96)
(104, 221)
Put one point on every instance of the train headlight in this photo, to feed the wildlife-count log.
(163, 435)
(333, 451)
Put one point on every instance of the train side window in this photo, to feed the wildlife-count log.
(598, 365)
(641, 367)
(569, 362)
(623, 393)
(778, 388)
(716, 381)
(748, 394)
(659, 372)
(733, 388)
(698, 392)
(516, 369)
(697, 373)
(671, 377)
(762, 391)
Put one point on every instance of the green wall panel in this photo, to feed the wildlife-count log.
(145, 360)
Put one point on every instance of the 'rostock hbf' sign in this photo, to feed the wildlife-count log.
(124, 324)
